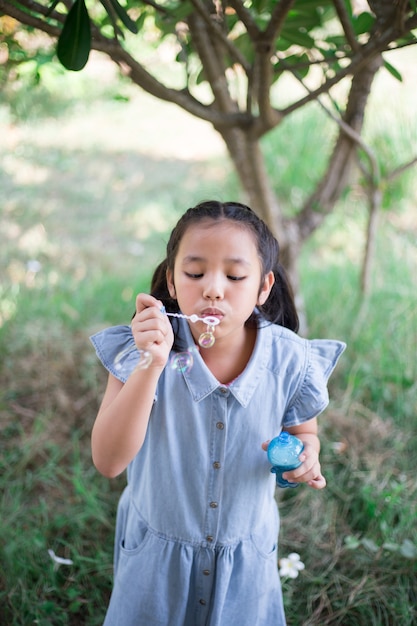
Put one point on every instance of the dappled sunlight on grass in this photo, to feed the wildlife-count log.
(97, 190)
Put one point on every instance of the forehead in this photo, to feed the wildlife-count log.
(219, 237)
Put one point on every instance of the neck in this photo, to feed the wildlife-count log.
(228, 358)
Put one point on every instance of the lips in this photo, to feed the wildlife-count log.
(212, 312)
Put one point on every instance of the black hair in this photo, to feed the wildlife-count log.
(279, 308)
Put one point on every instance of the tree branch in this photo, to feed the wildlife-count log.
(138, 74)
(246, 18)
(331, 185)
(182, 98)
(343, 16)
(401, 169)
(277, 20)
(374, 176)
(210, 53)
(373, 48)
(262, 74)
(156, 6)
(31, 20)
(217, 32)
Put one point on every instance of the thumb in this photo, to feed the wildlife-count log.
(319, 482)
(145, 300)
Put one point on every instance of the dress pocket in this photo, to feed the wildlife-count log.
(264, 545)
(135, 533)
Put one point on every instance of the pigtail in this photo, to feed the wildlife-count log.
(280, 307)
(159, 287)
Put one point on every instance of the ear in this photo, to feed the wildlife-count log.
(170, 284)
(266, 287)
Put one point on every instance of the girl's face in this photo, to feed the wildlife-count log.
(218, 272)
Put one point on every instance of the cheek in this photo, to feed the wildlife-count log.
(185, 290)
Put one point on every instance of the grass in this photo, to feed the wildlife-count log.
(88, 201)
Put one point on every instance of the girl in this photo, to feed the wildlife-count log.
(197, 524)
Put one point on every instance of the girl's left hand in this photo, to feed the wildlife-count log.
(309, 471)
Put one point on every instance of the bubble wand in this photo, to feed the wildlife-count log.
(182, 361)
(206, 339)
(210, 320)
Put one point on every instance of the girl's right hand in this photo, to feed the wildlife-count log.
(151, 329)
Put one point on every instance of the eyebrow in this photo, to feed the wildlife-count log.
(191, 258)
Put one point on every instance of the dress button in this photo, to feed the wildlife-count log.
(216, 465)
(220, 425)
(214, 505)
(206, 572)
(209, 538)
(223, 390)
(203, 602)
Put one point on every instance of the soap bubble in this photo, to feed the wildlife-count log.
(145, 359)
(207, 339)
(131, 359)
(182, 361)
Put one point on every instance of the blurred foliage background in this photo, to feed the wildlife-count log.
(93, 175)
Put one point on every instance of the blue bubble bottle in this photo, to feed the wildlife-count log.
(283, 452)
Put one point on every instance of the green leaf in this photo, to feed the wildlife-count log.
(306, 20)
(298, 37)
(298, 63)
(337, 41)
(283, 44)
(124, 17)
(393, 71)
(74, 43)
(363, 23)
(51, 8)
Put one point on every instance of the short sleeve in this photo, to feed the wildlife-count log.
(311, 396)
(116, 349)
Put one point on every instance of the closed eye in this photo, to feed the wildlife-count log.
(200, 275)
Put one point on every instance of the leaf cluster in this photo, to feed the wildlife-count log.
(297, 36)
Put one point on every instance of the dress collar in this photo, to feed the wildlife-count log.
(201, 382)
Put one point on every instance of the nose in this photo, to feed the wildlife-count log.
(213, 288)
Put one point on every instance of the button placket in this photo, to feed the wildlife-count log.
(205, 567)
(216, 451)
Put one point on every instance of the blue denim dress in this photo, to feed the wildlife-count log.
(197, 525)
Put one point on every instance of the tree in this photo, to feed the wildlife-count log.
(242, 50)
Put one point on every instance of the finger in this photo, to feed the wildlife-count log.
(317, 483)
(149, 327)
(151, 337)
(265, 445)
(145, 300)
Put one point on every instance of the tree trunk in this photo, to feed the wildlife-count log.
(330, 187)
(375, 199)
(249, 162)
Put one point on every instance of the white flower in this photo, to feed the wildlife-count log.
(58, 560)
(291, 566)
(33, 266)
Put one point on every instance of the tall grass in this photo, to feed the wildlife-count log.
(81, 230)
